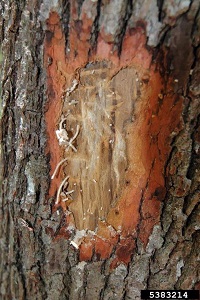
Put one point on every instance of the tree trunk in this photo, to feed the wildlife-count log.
(110, 90)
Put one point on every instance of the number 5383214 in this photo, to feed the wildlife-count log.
(166, 294)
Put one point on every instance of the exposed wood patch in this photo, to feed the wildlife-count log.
(103, 108)
(117, 120)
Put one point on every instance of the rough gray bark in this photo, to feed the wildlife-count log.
(34, 262)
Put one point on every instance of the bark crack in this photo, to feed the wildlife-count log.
(120, 38)
(95, 27)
